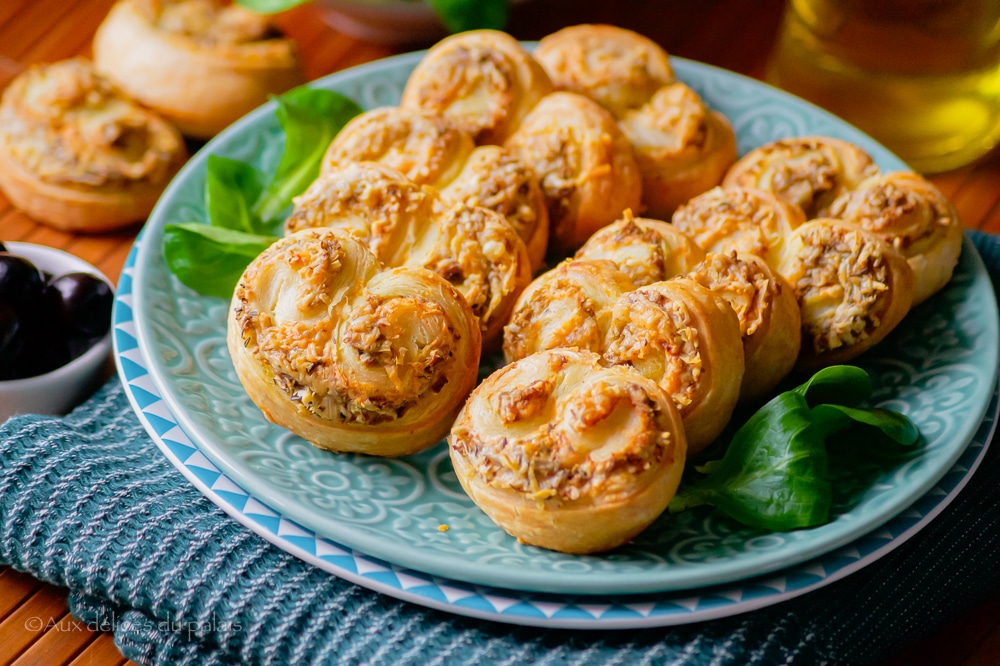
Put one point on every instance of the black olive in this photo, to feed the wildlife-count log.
(3, 247)
(80, 302)
(11, 341)
(20, 282)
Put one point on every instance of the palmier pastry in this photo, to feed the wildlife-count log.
(646, 250)
(77, 154)
(906, 210)
(584, 163)
(483, 80)
(566, 454)
(495, 178)
(619, 69)
(427, 148)
(681, 146)
(348, 356)
(201, 63)
(687, 339)
(474, 248)
(809, 172)
(853, 288)
(768, 313)
(739, 219)
(568, 306)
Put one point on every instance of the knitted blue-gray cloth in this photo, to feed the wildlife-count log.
(88, 502)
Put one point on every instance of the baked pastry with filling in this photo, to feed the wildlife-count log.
(427, 148)
(646, 250)
(77, 154)
(853, 288)
(568, 306)
(768, 312)
(201, 63)
(687, 339)
(906, 210)
(566, 454)
(584, 163)
(739, 219)
(483, 80)
(349, 356)
(809, 172)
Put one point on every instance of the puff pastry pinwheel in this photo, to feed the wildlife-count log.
(584, 162)
(483, 80)
(853, 288)
(617, 68)
(687, 339)
(646, 250)
(495, 178)
(201, 63)
(809, 172)
(906, 210)
(768, 312)
(77, 154)
(350, 357)
(427, 148)
(568, 306)
(739, 219)
(566, 454)
(475, 249)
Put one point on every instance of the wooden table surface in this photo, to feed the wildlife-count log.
(35, 626)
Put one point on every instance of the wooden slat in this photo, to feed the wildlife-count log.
(71, 35)
(29, 622)
(101, 652)
(29, 25)
(17, 588)
(59, 645)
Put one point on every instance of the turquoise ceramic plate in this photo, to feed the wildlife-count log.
(939, 368)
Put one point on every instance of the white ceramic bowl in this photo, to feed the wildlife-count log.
(58, 391)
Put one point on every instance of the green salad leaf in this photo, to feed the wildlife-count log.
(231, 189)
(456, 15)
(270, 6)
(210, 259)
(774, 474)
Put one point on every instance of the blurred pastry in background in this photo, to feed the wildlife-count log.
(77, 154)
(483, 80)
(201, 63)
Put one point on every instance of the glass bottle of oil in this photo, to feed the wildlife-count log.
(920, 76)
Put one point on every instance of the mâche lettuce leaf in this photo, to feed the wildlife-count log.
(456, 15)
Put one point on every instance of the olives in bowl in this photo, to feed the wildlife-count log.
(55, 329)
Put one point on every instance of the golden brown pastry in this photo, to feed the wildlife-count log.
(483, 80)
(906, 210)
(809, 172)
(617, 68)
(565, 454)
(427, 148)
(474, 248)
(201, 63)
(646, 250)
(686, 339)
(77, 154)
(681, 146)
(768, 313)
(568, 306)
(739, 219)
(584, 163)
(348, 356)
(495, 178)
(853, 288)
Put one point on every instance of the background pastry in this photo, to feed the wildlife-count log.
(427, 148)
(347, 356)
(495, 178)
(739, 219)
(646, 250)
(584, 163)
(906, 210)
(809, 172)
(768, 312)
(483, 80)
(77, 154)
(686, 339)
(201, 63)
(617, 68)
(568, 306)
(853, 288)
(565, 454)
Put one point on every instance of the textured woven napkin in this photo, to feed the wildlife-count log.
(88, 502)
